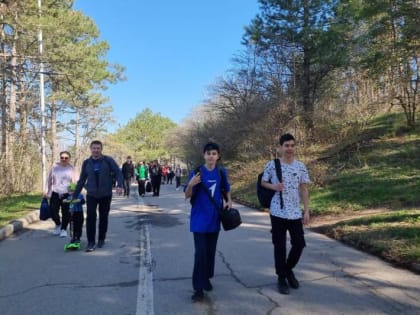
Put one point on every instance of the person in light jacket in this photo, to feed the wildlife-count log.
(58, 181)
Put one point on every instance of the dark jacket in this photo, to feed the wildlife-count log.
(156, 171)
(128, 170)
(98, 183)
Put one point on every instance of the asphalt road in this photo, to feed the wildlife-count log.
(146, 265)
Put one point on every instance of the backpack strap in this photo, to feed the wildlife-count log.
(280, 177)
(206, 191)
(108, 162)
(222, 184)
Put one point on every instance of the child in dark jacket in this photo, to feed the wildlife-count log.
(76, 210)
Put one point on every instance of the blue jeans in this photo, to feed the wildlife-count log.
(204, 258)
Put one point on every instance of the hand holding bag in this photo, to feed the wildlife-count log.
(44, 210)
(230, 218)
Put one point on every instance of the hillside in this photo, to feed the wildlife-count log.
(381, 169)
(365, 191)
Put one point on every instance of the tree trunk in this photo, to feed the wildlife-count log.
(11, 124)
(77, 162)
(306, 90)
(4, 109)
(53, 132)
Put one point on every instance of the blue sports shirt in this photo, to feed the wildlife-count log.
(204, 216)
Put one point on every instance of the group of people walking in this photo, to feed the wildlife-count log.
(149, 174)
(97, 175)
(285, 213)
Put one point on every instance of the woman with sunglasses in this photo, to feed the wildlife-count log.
(61, 175)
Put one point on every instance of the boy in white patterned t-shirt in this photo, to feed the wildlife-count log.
(286, 212)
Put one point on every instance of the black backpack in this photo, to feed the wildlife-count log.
(264, 194)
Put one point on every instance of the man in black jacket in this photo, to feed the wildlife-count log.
(128, 174)
(96, 176)
(156, 176)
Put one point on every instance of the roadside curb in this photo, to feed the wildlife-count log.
(19, 224)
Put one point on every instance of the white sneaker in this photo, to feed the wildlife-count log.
(56, 230)
(63, 233)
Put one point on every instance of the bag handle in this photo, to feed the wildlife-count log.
(279, 176)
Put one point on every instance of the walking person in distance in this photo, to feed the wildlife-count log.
(96, 176)
(178, 173)
(286, 211)
(128, 174)
(156, 177)
(142, 174)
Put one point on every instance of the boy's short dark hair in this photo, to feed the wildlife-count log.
(96, 142)
(211, 146)
(286, 137)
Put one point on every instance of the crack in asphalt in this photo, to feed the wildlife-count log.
(275, 304)
(231, 271)
(171, 279)
(396, 306)
(73, 285)
(258, 288)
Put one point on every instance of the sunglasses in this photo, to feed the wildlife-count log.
(64, 157)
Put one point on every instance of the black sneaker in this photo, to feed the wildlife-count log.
(282, 286)
(101, 243)
(198, 296)
(90, 247)
(293, 283)
(208, 286)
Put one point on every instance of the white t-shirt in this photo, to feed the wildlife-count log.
(293, 175)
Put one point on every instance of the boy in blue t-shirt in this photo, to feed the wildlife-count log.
(205, 222)
(77, 219)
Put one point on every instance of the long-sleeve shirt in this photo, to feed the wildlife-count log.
(59, 179)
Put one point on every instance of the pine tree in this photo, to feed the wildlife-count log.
(302, 34)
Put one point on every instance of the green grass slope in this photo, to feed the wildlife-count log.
(378, 169)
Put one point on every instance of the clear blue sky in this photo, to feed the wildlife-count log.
(172, 50)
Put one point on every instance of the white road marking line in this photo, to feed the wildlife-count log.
(145, 287)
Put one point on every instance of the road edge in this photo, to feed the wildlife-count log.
(17, 225)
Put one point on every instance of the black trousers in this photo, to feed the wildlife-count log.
(142, 190)
(156, 181)
(127, 184)
(204, 258)
(104, 204)
(279, 230)
(77, 220)
(55, 204)
(178, 181)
